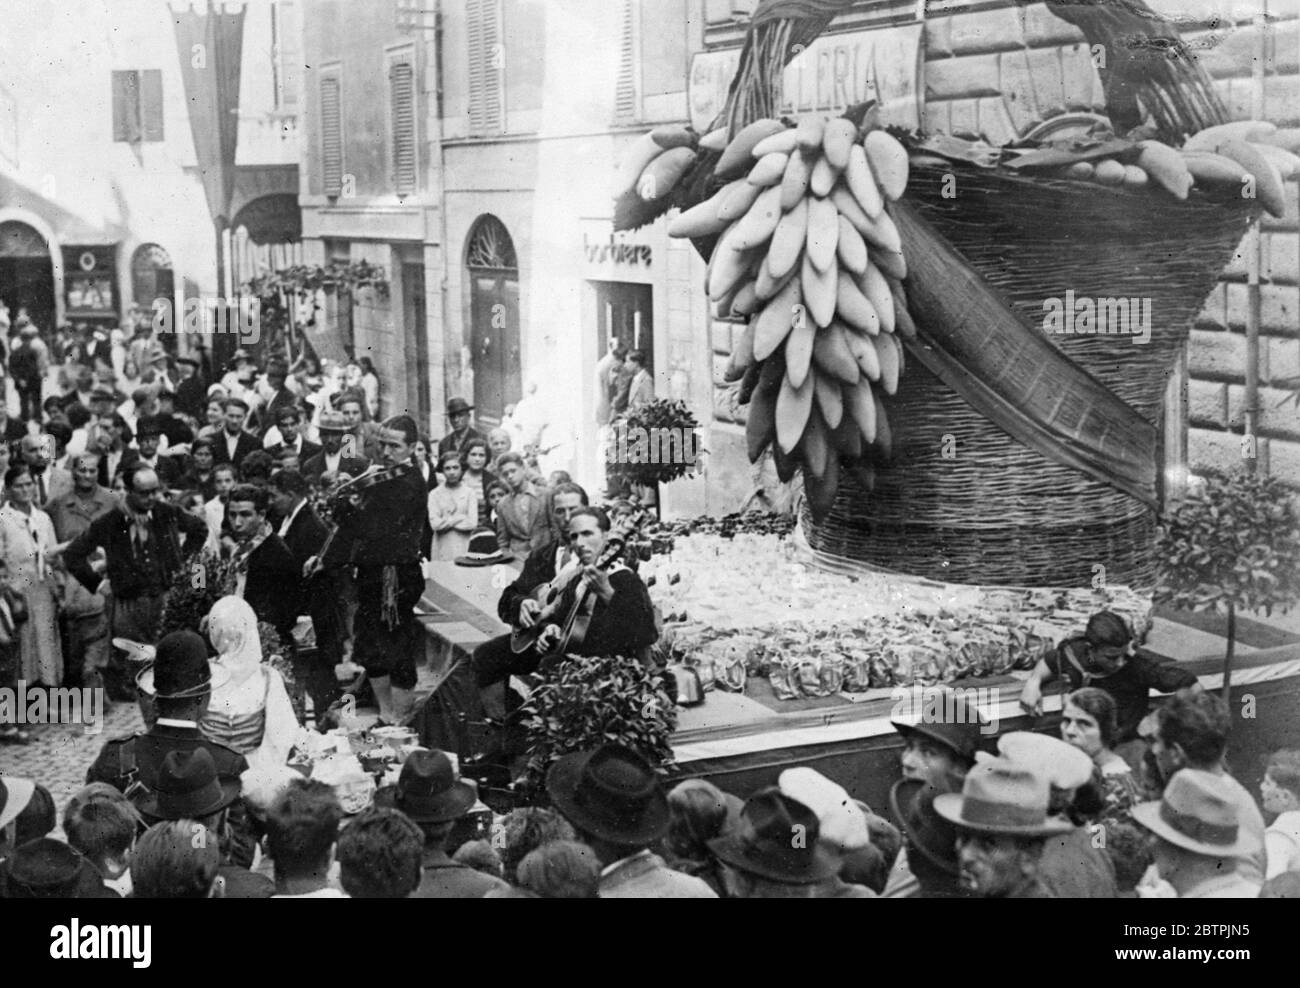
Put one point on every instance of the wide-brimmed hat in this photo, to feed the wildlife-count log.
(912, 801)
(458, 405)
(960, 728)
(611, 793)
(43, 868)
(1063, 765)
(180, 669)
(1001, 797)
(428, 790)
(192, 361)
(483, 550)
(778, 839)
(241, 355)
(188, 788)
(1198, 813)
(15, 794)
(332, 421)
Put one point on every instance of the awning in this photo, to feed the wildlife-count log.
(68, 227)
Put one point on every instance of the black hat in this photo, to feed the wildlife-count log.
(458, 405)
(180, 669)
(428, 790)
(483, 549)
(927, 832)
(611, 793)
(778, 840)
(960, 729)
(43, 868)
(149, 425)
(188, 788)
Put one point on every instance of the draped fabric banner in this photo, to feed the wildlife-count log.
(210, 46)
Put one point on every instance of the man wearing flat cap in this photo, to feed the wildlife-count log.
(1002, 823)
(1199, 837)
(613, 799)
(232, 443)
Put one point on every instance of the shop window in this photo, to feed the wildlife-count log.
(486, 67)
(331, 135)
(151, 275)
(401, 99)
(137, 106)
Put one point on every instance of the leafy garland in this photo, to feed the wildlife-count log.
(303, 281)
(635, 449)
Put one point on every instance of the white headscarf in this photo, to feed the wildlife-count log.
(232, 629)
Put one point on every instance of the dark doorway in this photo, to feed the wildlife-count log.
(417, 342)
(494, 320)
(26, 274)
(625, 312)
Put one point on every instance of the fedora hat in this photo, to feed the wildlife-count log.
(1198, 813)
(1063, 765)
(611, 793)
(15, 794)
(779, 840)
(960, 730)
(841, 821)
(188, 788)
(43, 868)
(483, 550)
(458, 405)
(332, 421)
(428, 790)
(1001, 797)
(912, 801)
(180, 669)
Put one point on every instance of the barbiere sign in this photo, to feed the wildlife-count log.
(832, 74)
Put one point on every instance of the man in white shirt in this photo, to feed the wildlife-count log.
(1280, 792)
(214, 511)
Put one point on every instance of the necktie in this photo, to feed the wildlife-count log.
(40, 486)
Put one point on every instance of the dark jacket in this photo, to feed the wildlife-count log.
(452, 442)
(444, 878)
(386, 530)
(245, 444)
(147, 751)
(176, 431)
(305, 452)
(314, 466)
(306, 535)
(192, 397)
(112, 532)
(273, 587)
(129, 456)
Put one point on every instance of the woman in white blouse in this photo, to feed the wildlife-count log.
(251, 711)
(29, 549)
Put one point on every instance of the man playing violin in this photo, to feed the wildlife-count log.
(379, 533)
(619, 618)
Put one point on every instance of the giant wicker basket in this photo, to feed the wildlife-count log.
(961, 500)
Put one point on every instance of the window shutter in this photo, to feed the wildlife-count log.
(625, 102)
(485, 66)
(126, 106)
(331, 136)
(151, 104)
(401, 82)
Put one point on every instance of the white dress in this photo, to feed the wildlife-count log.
(23, 541)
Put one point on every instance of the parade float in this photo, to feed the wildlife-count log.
(961, 352)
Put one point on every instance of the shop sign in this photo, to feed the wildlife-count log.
(615, 250)
(832, 74)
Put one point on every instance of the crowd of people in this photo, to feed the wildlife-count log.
(282, 484)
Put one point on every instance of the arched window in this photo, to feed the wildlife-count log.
(151, 275)
(490, 245)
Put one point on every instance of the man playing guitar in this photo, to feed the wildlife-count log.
(615, 616)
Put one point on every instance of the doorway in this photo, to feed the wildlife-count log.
(26, 274)
(494, 320)
(417, 342)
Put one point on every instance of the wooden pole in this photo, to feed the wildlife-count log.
(1254, 250)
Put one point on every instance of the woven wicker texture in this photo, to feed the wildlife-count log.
(962, 501)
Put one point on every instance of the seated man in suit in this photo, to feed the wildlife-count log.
(264, 570)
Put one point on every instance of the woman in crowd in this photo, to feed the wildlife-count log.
(698, 812)
(251, 712)
(477, 476)
(1088, 722)
(498, 445)
(216, 417)
(427, 469)
(370, 385)
(29, 549)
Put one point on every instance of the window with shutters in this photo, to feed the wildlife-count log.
(137, 106)
(401, 107)
(331, 135)
(486, 67)
(525, 48)
(627, 104)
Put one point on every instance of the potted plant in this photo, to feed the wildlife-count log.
(655, 444)
(1231, 543)
(593, 701)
